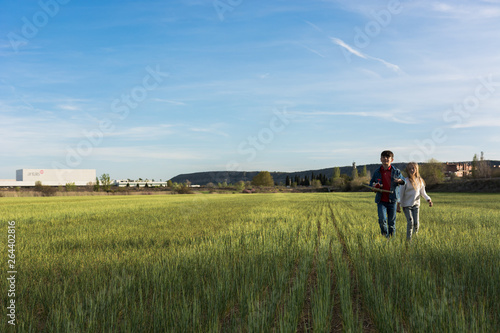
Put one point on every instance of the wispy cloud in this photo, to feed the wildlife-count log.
(479, 122)
(213, 129)
(349, 48)
(362, 55)
(315, 27)
(38, 136)
(391, 115)
(312, 50)
(471, 10)
(125, 154)
(465, 10)
(69, 107)
(143, 132)
(168, 101)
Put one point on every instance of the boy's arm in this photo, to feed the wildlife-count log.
(399, 179)
(402, 178)
(374, 178)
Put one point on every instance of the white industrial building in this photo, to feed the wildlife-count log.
(51, 177)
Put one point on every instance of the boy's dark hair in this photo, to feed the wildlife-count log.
(387, 153)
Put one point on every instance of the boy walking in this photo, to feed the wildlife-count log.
(388, 177)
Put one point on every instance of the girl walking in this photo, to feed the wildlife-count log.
(410, 194)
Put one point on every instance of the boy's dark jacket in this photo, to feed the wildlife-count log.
(377, 177)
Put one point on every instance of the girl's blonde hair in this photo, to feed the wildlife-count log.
(415, 179)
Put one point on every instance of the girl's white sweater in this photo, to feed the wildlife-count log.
(408, 196)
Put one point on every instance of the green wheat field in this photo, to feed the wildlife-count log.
(250, 263)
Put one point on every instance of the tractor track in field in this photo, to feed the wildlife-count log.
(336, 323)
(291, 280)
(359, 308)
(225, 321)
(305, 322)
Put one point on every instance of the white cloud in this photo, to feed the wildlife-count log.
(479, 122)
(348, 48)
(37, 136)
(357, 53)
(467, 10)
(168, 101)
(312, 50)
(125, 154)
(390, 115)
(68, 107)
(210, 130)
(143, 132)
(315, 27)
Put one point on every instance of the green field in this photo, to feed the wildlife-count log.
(250, 263)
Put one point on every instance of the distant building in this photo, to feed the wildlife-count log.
(461, 169)
(143, 183)
(138, 183)
(51, 177)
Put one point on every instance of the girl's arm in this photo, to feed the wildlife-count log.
(425, 195)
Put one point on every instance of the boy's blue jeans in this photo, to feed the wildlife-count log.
(387, 217)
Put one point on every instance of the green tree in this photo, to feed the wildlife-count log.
(263, 178)
(432, 172)
(337, 180)
(364, 172)
(96, 185)
(474, 166)
(169, 183)
(483, 169)
(336, 173)
(240, 186)
(354, 173)
(105, 181)
(38, 186)
(316, 183)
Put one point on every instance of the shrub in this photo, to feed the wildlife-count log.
(240, 186)
(70, 187)
(316, 183)
(183, 189)
(46, 191)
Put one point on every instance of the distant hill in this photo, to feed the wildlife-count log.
(232, 177)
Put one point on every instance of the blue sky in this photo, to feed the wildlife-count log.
(153, 89)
